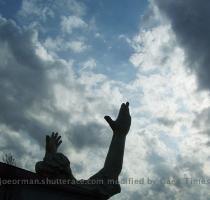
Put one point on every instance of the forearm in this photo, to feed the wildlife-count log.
(114, 160)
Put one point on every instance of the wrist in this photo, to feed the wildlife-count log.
(48, 156)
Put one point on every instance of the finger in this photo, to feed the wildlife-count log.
(58, 139)
(59, 143)
(47, 139)
(109, 120)
(56, 135)
(127, 106)
(122, 109)
(52, 135)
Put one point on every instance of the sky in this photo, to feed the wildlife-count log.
(66, 64)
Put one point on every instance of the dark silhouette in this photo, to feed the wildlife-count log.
(56, 165)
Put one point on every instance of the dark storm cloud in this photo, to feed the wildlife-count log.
(202, 122)
(166, 122)
(190, 21)
(12, 145)
(89, 135)
(202, 118)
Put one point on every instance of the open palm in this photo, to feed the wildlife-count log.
(53, 142)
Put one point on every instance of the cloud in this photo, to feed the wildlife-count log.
(46, 85)
(202, 121)
(20, 67)
(189, 20)
(166, 121)
(42, 14)
(40, 94)
(76, 7)
(77, 46)
(35, 8)
(46, 10)
(72, 22)
(91, 134)
(165, 103)
(89, 64)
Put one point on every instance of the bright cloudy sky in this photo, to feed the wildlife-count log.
(65, 64)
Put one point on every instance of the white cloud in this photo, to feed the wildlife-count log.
(165, 89)
(46, 92)
(43, 54)
(34, 8)
(54, 44)
(77, 46)
(50, 96)
(89, 64)
(58, 44)
(73, 6)
(68, 24)
(37, 8)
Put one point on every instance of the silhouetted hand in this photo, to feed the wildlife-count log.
(123, 122)
(52, 143)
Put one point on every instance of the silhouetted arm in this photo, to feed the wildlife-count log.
(54, 164)
(114, 160)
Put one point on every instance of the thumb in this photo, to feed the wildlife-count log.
(109, 120)
(47, 139)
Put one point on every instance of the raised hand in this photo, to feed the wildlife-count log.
(123, 122)
(52, 143)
